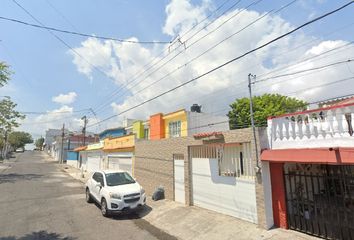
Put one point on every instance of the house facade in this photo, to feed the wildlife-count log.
(119, 153)
(62, 146)
(214, 170)
(311, 159)
(180, 123)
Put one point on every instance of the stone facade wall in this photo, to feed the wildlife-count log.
(154, 163)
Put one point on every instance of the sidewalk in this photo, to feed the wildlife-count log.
(195, 223)
(75, 173)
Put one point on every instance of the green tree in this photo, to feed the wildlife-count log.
(19, 139)
(4, 73)
(39, 143)
(9, 117)
(264, 106)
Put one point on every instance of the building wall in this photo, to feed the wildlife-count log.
(173, 117)
(153, 166)
(154, 163)
(119, 143)
(72, 155)
(157, 130)
(138, 129)
(204, 122)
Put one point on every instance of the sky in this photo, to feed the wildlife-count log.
(58, 77)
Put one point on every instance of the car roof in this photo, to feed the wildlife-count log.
(112, 171)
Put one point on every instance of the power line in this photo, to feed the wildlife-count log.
(306, 59)
(61, 15)
(304, 70)
(169, 60)
(233, 60)
(297, 63)
(48, 113)
(321, 85)
(81, 34)
(61, 40)
(206, 51)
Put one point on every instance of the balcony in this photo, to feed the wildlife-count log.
(327, 127)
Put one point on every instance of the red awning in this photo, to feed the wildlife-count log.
(316, 155)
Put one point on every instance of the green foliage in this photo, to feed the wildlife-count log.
(4, 74)
(39, 142)
(264, 106)
(9, 117)
(19, 139)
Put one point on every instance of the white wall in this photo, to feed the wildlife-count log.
(228, 195)
(197, 123)
(72, 163)
(267, 188)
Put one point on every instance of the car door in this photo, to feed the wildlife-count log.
(98, 188)
(93, 185)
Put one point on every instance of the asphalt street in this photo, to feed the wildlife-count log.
(39, 201)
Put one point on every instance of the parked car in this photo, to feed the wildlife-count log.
(115, 191)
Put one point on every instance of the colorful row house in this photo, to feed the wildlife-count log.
(180, 123)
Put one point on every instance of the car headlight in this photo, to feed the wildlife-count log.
(115, 195)
(142, 191)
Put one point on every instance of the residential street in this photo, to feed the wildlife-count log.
(39, 201)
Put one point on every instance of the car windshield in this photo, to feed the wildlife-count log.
(118, 178)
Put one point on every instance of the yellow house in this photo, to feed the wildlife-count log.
(176, 124)
(119, 152)
(119, 144)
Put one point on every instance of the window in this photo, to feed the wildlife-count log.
(98, 177)
(235, 161)
(119, 178)
(175, 129)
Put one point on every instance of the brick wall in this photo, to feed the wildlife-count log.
(154, 164)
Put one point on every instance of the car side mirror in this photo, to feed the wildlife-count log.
(99, 185)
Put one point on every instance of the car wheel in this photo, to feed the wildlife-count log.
(88, 196)
(104, 209)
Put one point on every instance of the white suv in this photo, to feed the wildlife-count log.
(115, 191)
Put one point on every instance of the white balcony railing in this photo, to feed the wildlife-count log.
(324, 127)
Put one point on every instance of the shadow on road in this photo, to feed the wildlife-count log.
(41, 235)
(13, 177)
(129, 215)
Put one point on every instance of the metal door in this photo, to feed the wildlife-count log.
(93, 163)
(320, 200)
(123, 163)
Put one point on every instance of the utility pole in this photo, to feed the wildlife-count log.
(62, 144)
(84, 128)
(250, 77)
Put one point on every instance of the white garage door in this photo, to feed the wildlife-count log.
(123, 163)
(225, 194)
(93, 163)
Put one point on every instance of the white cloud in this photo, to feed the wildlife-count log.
(185, 17)
(217, 90)
(36, 125)
(65, 98)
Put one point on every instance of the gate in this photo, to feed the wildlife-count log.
(320, 199)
